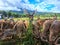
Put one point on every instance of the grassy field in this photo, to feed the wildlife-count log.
(28, 40)
(24, 18)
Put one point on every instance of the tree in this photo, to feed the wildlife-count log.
(4, 13)
(9, 13)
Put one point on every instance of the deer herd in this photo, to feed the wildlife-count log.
(43, 30)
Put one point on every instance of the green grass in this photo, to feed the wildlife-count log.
(24, 18)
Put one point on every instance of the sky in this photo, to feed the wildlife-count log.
(39, 5)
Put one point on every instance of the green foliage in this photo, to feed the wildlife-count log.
(17, 14)
(9, 14)
(4, 13)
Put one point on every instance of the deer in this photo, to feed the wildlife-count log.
(30, 16)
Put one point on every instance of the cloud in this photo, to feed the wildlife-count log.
(55, 5)
(40, 5)
(9, 8)
(8, 5)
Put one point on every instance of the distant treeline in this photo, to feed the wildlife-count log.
(16, 15)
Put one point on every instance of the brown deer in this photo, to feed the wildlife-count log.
(31, 16)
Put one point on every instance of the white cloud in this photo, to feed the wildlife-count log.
(9, 8)
(6, 5)
(42, 6)
(1, 3)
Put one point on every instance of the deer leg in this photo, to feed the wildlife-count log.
(50, 38)
(1, 26)
(57, 41)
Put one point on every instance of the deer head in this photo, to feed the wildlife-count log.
(28, 14)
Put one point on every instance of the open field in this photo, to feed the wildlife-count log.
(26, 18)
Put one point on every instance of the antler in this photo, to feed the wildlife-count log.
(34, 12)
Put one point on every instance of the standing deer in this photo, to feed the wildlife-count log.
(31, 16)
